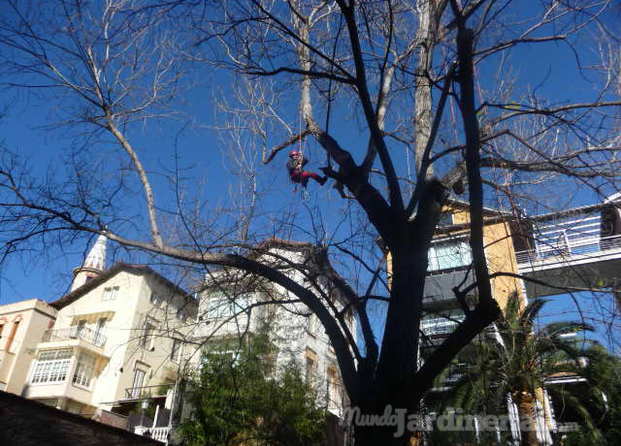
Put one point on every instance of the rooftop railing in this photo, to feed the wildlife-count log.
(568, 249)
(86, 334)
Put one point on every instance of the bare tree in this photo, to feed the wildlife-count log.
(422, 80)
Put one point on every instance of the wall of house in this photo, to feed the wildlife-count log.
(116, 359)
(298, 336)
(118, 331)
(34, 318)
(173, 316)
(500, 255)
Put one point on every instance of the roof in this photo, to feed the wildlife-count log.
(26, 422)
(486, 210)
(573, 211)
(30, 304)
(68, 299)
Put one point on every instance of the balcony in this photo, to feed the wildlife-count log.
(156, 433)
(144, 392)
(576, 250)
(569, 250)
(82, 333)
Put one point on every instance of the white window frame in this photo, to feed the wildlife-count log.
(147, 336)
(100, 328)
(176, 350)
(222, 307)
(52, 366)
(110, 293)
(84, 370)
(449, 254)
(135, 392)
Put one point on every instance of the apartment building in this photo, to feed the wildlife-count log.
(233, 305)
(22, 325)
(450, 259)
(578, 247)
(116, 345)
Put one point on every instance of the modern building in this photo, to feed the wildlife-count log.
(233, 305)
(116, 347)
(450, 261)
(22, 325)
(577, 248)
(562, 251)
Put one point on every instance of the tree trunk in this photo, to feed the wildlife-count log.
(528, 424)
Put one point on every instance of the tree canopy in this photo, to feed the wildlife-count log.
(238, 397)
(407, 101)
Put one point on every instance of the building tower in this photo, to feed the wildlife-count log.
(93, 265)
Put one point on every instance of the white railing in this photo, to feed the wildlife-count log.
(156, 433)
(567, 427)
(569, 249)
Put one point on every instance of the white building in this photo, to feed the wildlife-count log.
(117, 339)
(233, 304)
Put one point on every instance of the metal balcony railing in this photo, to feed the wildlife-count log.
(86, 334)
(568, 249)
(147, 391)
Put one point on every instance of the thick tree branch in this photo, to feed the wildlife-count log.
(144, 179)
(394, 190)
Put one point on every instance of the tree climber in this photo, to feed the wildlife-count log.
(297, 174)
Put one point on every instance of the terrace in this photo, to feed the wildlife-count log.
(579, 249)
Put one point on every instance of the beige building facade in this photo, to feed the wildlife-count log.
(22, 325)
(118, 338)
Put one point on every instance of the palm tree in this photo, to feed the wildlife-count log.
(516, 363)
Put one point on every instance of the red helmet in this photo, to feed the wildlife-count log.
(293, 154)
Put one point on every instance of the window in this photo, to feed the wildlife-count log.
(100, 327)
(225, 307)
(146, 340)
(449, 254)
(138, 382)
(110, 293)
(80, 327)
(175, 352)
(84, 370)
(311, 365)
(52, 366)
(446, 219)
(334, 391)
(441, 326)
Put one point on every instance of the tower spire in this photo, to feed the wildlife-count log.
(93, 265)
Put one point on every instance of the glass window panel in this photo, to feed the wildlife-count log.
(84, 370)
(52, 366)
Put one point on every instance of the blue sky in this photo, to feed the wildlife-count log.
(47, 276)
